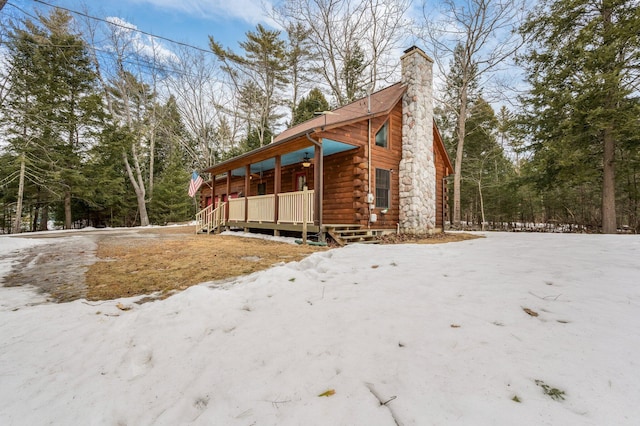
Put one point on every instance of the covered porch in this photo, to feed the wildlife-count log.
(277, 187)
(289, 211)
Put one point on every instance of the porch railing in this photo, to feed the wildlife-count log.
(210, 219)
(262, 208)
(236, 209)
(290, 205)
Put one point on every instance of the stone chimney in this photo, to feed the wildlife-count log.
(417, 172)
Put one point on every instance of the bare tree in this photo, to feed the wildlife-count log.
(483, 33)
(298, 58)
(387, 19)
(199, 94)
(340, 30)
(131, 88)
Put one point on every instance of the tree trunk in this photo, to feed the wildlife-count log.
(34, 223)
(608, 163)
(45, 218)
(481, 204)
(138, 186)
(609, 185)
(462, 117)
(17, 226)
(67, 209)
(152, 157)
(142, 206)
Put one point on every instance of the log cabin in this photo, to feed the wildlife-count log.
(373, 166)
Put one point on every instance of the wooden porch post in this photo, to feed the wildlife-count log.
(305, 195)
(318, 186)
(247, 186)
(277, 187)
(226, 207)
(213, 190)
(213, 199)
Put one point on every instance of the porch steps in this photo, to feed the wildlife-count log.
(209, 220)
(351, 234)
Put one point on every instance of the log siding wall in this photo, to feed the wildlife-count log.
(388, 159)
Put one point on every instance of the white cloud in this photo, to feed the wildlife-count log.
(250, 11)
(121, 23)
(144, 44)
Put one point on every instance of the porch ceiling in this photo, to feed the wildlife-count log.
(329, 147)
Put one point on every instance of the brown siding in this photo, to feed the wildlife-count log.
(439, 183)
(342, 188)
(442, 171)
(346, 181)
(388, 159)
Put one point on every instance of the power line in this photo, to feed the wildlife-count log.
(122, 26)
(142, 64)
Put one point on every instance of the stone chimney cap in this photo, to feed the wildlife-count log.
(415, 49)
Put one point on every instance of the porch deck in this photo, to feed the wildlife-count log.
(289, 211)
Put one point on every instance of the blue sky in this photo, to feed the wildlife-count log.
(188, 21)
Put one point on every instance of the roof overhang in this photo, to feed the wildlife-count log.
(291, 151)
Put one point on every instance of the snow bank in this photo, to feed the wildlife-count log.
(438, 333)
(10, 248)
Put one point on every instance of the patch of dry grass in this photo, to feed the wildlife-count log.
(168, 259)
(439, 238)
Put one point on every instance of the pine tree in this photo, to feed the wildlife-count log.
(487, 171)
(109, 202)
(260, 76)
(172, 138)
(583, 103)
(478, 36)
(353, 44)
(353, 73)
(132, 105)
(460, 92)
(171, 202)
(53, 106)
(298, 58)
(309, 105)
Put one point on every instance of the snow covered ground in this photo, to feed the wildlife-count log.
(402, 334)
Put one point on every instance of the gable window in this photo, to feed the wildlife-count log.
(382, 137)
(383, 188)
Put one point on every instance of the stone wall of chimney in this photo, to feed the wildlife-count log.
(417, 172)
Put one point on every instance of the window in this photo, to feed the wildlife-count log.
(262, 188)
(301, 181)
(383, 188)
(382, 136)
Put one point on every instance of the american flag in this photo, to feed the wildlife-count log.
(194, 185)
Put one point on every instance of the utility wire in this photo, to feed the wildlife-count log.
(122, 26)
(166, 67)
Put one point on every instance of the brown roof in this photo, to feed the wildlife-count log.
(381, 103)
